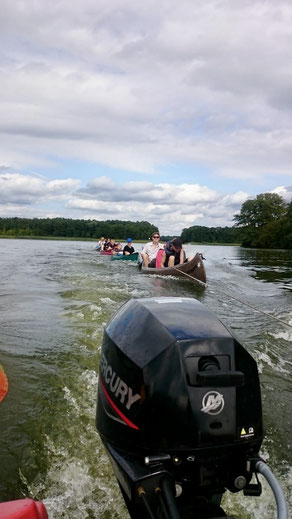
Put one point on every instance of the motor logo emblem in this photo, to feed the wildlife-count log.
(212, 403)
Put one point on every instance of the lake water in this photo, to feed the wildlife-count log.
(55, 298)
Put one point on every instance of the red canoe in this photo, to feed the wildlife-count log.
(106, 253)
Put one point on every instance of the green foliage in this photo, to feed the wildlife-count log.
(201, 234)
(68, 228)
(266, 222)
(261, 210)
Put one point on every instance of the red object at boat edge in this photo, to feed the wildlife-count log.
(23, 509)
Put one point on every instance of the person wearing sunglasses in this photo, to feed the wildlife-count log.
(150, 250)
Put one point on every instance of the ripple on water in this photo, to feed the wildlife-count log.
(58, 298)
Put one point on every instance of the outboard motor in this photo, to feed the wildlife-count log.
(179, 409)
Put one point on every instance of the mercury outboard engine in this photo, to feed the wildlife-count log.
(179, 409)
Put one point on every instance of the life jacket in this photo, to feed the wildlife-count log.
(169, 252)
(158, 258)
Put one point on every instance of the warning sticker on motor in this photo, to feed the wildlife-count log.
(247, 432)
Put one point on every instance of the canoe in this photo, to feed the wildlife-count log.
(127, 257)
(192, 269)
(106, 253)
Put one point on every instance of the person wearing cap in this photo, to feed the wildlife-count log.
(128, 249)
(173, 254)
(150, 250)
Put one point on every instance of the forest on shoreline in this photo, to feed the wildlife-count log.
(263, 222)
(66, 228)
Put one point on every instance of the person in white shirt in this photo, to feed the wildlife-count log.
(150, 250)
(100, 244)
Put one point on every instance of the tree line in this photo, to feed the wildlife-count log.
(201, 234)
(263, 222)
(92, 229)
(69, 228)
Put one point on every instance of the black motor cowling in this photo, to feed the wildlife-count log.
(178, 402)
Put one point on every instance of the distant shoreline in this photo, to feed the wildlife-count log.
(63, 238)
(54, 238)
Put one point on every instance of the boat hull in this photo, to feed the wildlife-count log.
(106, 253)
(192, 269)
(128, 257)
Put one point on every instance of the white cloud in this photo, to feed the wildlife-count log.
(170, 207)
(62, 187)
(21, 189)
(144, 89)
(170, 194)
(285, 192)
(137, 87)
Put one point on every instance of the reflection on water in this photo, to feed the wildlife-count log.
(269, 266)
(55, 299)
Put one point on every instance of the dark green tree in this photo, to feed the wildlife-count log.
(266, 222)
(260, 210)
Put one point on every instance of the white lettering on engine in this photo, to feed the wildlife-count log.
(116, 385)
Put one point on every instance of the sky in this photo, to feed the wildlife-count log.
(169, 112)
